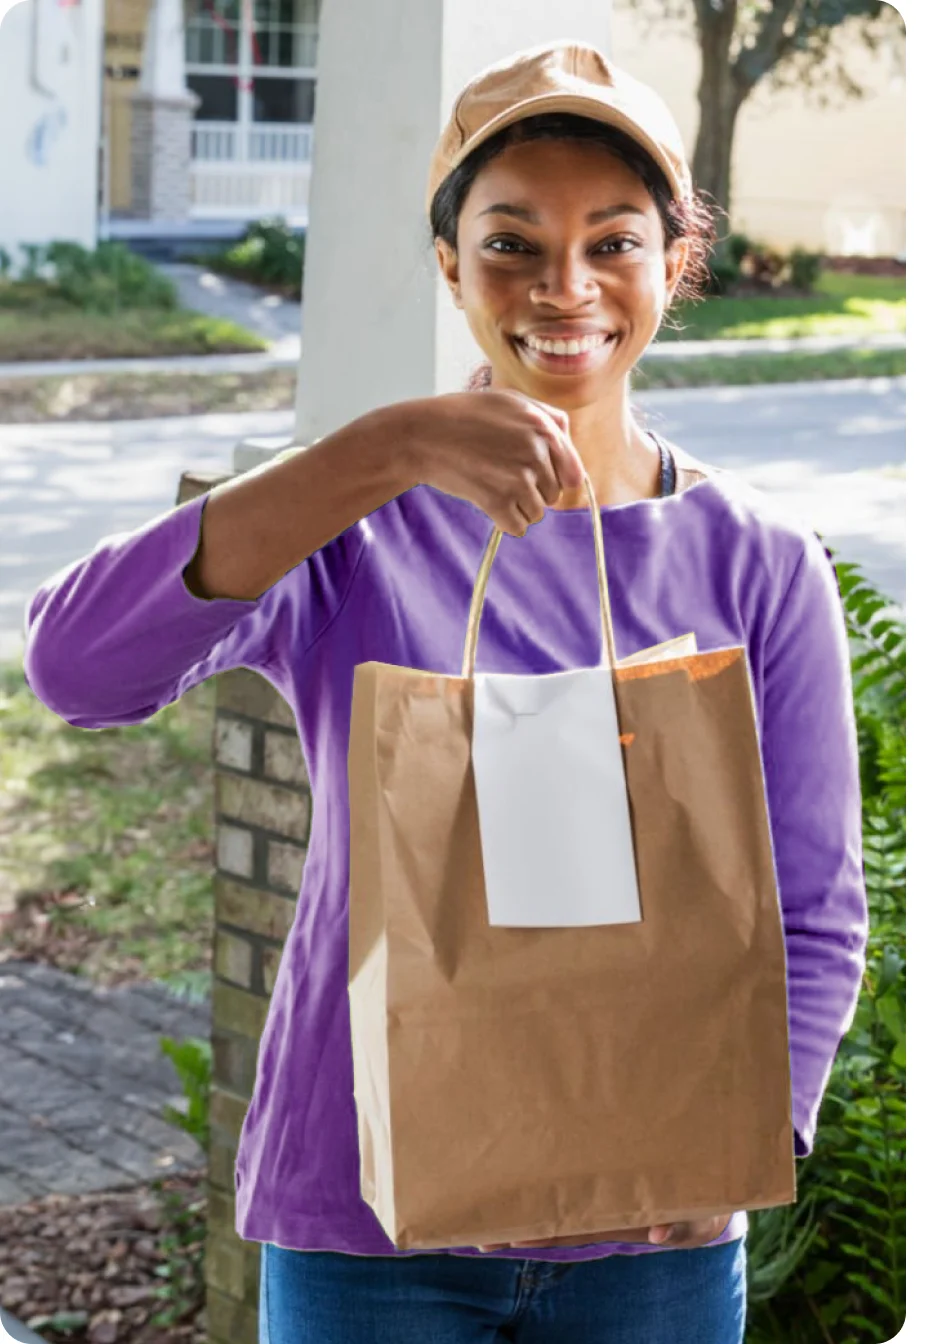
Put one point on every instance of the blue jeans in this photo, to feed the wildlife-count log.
(695, 1296)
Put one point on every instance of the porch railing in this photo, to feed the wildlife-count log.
(249, 170)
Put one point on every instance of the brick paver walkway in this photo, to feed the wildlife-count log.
(83, 1082)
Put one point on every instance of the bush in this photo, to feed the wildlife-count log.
(107, 279)
(192, 1060)
(844, 1267)
(270, 253)
(737, 258)
(805, 268)
(725, 262)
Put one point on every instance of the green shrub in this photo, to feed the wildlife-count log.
(192, 1060)
(270, 253)
(724, 265)
(737, 257)
(804, 268)
(108, 278)
(849, 1279)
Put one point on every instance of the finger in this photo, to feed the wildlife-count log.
(520, 521)
(564, 457)
(529, 499)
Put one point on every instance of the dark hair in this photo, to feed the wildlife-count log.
(690, 218)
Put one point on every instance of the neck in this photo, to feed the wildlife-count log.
(621, 459)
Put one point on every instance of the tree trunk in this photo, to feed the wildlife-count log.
(719, 102)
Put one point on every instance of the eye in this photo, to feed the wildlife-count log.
(505, 245)
(626, 244)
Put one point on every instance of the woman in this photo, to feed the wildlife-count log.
(565, 226)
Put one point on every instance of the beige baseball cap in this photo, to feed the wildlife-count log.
(560, 77)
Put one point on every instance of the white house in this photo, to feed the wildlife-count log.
(50, 105)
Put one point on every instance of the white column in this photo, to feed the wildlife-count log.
(50, 122)
(378, 325)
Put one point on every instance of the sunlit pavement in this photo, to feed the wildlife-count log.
(831, 453)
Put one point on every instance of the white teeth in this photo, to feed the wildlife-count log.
(566, 347)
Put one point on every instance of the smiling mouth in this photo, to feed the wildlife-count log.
(567, 354)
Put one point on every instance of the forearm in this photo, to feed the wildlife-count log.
(260, 525)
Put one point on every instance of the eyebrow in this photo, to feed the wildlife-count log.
(531, 217)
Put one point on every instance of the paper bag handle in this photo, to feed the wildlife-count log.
(484, 573)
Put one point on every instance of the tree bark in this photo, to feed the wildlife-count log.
(720, 99)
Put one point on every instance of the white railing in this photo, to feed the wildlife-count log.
(243, 171)
(271, 142)
(280, 144)
(214, 142)
(243, 190)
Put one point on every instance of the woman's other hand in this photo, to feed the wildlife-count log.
(684, 1235)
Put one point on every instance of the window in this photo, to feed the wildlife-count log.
(218, 94)
(286, 100)
(253, 62)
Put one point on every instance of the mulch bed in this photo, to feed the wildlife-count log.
(866, 265)
(91, 1261)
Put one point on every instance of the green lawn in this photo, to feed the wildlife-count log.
(731, 370)
(107, 837)
(36, 325)
(843, 305)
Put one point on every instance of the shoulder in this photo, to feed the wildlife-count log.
(761, 545)
(743, 510)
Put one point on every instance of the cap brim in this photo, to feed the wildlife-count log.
(580, 105)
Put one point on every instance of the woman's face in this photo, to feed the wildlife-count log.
(559, 241)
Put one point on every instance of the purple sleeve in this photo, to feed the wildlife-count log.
(810, 754)
(114, 637)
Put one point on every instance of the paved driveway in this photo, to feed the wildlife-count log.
(832, 452)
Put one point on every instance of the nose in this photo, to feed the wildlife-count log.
(565, 281)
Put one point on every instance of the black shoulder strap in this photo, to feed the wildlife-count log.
(667, 465)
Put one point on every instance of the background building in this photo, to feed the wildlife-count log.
(830, 179)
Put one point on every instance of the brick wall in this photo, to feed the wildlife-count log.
(160, 157)
(263, 810)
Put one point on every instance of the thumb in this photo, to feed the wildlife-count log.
(660, 1233)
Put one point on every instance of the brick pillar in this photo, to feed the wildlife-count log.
(161, 156)
(263, 810)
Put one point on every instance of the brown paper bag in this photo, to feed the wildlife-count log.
(523, 1083)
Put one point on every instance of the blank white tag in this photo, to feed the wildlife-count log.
(552, 800)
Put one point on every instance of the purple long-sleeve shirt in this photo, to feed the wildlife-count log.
(117, 635)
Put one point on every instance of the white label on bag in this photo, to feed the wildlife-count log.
(549, 777)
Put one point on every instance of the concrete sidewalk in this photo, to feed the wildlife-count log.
(276, 320)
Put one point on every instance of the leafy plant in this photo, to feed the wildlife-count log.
(851, 1278)
(270, 253)
(6, 263)
(108, 278)
(183, 1243)
(192, 1060)
(183, 1267)
(724, 265)
(737, 258)
(35, 254)
(805, 268)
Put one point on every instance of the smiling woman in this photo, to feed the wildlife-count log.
(566, 243)
(565, 225)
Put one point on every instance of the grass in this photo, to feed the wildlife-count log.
(842, 305)
(106, 837)
(36, 324)
(733, 370)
